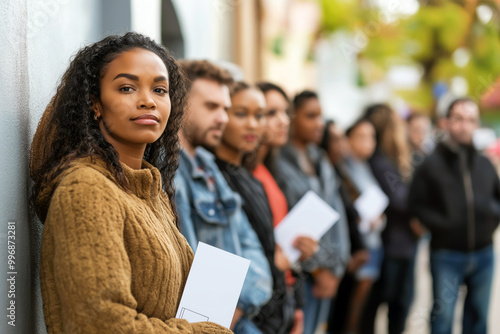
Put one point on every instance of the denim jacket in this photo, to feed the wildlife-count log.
(217, 218)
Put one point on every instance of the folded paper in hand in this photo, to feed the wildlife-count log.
(370, 206)
(213, 286)
(311, 217)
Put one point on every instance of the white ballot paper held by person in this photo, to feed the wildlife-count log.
(213, 286)
(311, 217)
(370, 206)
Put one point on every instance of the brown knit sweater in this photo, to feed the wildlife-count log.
(112, 261)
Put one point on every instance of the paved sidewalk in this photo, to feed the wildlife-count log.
(418, 319)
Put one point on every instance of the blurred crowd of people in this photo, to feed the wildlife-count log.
(116, 249)
(270, 150)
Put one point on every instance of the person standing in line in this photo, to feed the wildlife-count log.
(242, 135)
(303, 166)
(112, 257)
(209, 211)
(335, 143)
(419, 128)
(263, 167)
(391, 166)
(456, 194)
(362, 143)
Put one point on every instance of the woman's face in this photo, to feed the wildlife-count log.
(362, 141)
(308, 124)
(278, 121)
(246, 121)
(135, 105)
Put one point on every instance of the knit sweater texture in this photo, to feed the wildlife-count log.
(112, 261)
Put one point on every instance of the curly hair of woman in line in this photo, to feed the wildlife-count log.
(69, 130)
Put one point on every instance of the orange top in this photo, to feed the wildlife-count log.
(277, 200)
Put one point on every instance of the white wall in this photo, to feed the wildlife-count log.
(146, 18)
(195, 26)
(341, 98)
(14, 130)
(207, 28)
(38, 38)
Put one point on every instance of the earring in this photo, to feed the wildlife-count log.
(96, 118)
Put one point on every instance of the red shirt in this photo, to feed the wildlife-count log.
(277, 200)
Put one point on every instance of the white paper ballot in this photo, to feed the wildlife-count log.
(311, 217)
(213, 286)
(483, 137)
(370, 206)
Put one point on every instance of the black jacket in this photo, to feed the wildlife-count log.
(275, 317)
(398, 237)
(349, 194)
(456, 194)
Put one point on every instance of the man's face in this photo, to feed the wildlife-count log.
(206, 113)
(308, 122)
(463, 120)
(419, 130)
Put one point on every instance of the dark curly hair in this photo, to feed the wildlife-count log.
(69, 130)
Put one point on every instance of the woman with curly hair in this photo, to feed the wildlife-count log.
(112, 257)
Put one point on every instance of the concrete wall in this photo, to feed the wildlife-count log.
(38, 38)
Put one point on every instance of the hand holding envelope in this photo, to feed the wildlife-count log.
(213, 286)
(370, 206)
(311, 217)
(307, 246)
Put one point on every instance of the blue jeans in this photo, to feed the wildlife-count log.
(395, 287)
(315, 310)
(371, 269)
(449, 270)
(246, 326)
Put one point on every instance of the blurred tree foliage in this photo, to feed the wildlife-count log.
(428, 39)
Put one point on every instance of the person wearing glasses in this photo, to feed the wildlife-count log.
(456, 194)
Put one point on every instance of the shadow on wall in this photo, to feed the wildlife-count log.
(171, 35)
(38, 38)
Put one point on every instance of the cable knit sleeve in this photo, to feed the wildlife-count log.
(86, 272)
